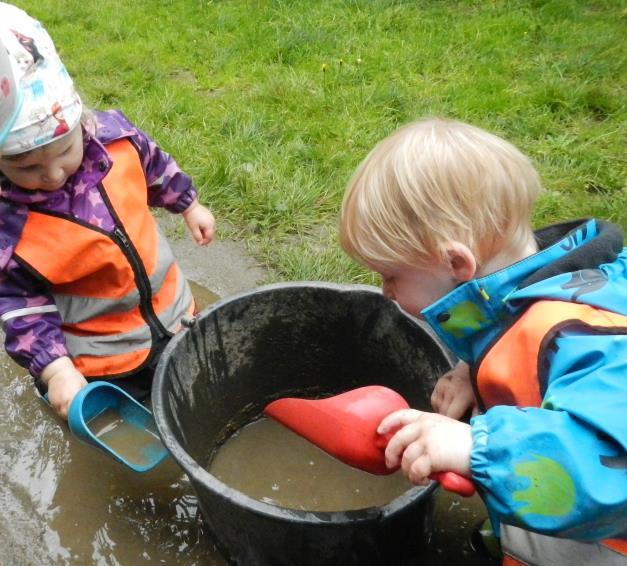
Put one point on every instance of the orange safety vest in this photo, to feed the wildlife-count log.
(117, 293)
(510, 371)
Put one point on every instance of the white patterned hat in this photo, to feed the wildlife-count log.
(50, 107)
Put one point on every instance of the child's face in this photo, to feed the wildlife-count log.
(47, 168)
(415, 288)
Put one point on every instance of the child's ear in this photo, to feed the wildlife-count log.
(461, 261)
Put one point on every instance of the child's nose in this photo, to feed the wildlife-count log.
(53, 174)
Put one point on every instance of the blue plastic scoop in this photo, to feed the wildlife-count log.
(105, 416)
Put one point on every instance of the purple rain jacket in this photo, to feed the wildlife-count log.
(36, 340)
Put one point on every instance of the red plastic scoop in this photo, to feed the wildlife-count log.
(345, 426)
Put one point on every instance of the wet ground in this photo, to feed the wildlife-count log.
(64, 502)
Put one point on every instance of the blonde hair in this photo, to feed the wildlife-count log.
(435, 181)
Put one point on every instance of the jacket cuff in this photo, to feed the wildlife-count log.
(182, 203)
(42, 359)
(482, 469)
(479, 462)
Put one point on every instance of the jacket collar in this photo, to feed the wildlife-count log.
(469, 318)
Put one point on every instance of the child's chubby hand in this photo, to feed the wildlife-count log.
(64, 381)
(200, 222)
(425, 443)
(453, 395)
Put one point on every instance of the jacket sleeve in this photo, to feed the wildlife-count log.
(31, 321)
(168, 186)
(561, 469)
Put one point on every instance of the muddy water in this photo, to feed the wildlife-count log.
(202, 296)
(135, 445)
(284, 469)
(63, 502)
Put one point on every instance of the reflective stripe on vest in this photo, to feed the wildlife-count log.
(533, 549)
(98, 280)
(75, 310)
(509, 375)
(99, 345)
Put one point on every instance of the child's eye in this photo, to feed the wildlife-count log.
(28, 168)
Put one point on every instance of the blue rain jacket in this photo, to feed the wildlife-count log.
(559, 469)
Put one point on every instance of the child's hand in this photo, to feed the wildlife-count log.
(200, 222)
(426, 443)
(64, 381)
(453, 395)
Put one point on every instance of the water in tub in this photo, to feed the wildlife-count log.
(283, 469)
(270, 463)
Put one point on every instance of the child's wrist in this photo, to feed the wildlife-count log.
(56, 367)
(191, 207)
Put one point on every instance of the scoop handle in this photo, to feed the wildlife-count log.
(452, 481)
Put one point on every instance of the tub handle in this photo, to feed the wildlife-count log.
(188, 321)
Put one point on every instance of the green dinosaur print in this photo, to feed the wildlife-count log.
(551, 491)
(464, 316)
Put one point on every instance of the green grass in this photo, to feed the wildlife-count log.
(271, 105)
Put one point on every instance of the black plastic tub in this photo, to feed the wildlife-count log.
(299, 339)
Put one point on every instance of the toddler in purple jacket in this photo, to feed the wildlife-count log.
(89, 289)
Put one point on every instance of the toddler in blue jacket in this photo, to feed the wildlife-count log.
(441, 209)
